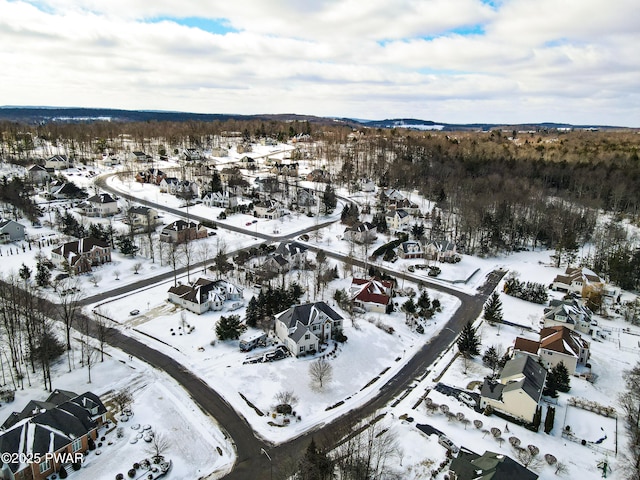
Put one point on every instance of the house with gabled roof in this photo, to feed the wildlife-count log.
(269, 209)
(372, 295)
(578, 280)
(441, 251)
(302, 328)
(11, 231)
(518, 390)
(63, 424)
(468, 465)
(294, 252)
(397, 220)
(410, 249)
(220, 200)
(205, 294)
(80, 256)
(306, 197)
(361, 232)
(58, 162)
(192, 154)
(569, 313)
(556, 344)
(152, 175)
(101, 205)
(275, 263)
(139, 156)
(142, 218)
(181, 231)
(39, 174)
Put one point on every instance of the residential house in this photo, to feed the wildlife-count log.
(468, 465)
(269, 209)
(395, 200)
(372, 295)
(367, 185)
(518, 390)
(205, 294)
(142, 218)
(306, 197)
(275, 263)
(302, 328)
(179, 188)
(191, 154)
(556, 344)
(81, 255)
(220, 200)
(397, 220)
(410, 249)
(11, 231)
(101, 205)
(152, 175)
(219, 152)
(58, 162)
(181, 231)
(578, 280)
(319, 175)
(39, 175)
(63, 424)
(244, 148)
(441, 251)
(361, 232)
(232, 174)
(64, 190)
(267, 184)
(286, 169)
(294, 252)
(569, 313)
(139, 156)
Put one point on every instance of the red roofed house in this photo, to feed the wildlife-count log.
(557, 344)
(372, 295)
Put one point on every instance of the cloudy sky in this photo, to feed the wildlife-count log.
(501, 61)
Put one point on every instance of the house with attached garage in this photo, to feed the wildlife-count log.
(205, 294)
(220, 200)
(294, 252)
(361, 232)
(410, 249)
(101, 205)
(64, 424)
(269, 209)
(556, 344)
(397, 220)
(11, 231)
(372, 295)
(181, 232)
(81, 255)
(441, 251)
(569, 313)
(302, 328)
(518, 390)
(276, 263)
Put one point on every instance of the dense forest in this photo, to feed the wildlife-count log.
(489, 192)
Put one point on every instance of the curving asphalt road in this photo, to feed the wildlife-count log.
(251, 463)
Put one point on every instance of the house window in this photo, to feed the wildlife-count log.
(302, 348)
(307, 336)
(76, 444)
(44, 466)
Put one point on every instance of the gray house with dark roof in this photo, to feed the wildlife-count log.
(488, 466)
(518, 390)
(63, 423)
(302, 328)
(11, 231)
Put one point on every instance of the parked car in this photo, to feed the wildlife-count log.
(448, 444)
(247, 224)
(134, 312)
(467, 399)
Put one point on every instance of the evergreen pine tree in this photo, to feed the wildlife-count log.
(43, 275)
(493, 309)
(491, 358)
(315, 464)
(469, 341)
(551, 385)
(563, 380)
(252, 313)
(229, 328)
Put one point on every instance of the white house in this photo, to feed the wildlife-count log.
(410, 249)
(441, 251)
(101, 205)
(59, 162)
(220, 200)
(204, 295)
(518, 390)
(397, 220)
(269, 209)
(362, 232)
(39, 174)
(302, 328)
(568, 313)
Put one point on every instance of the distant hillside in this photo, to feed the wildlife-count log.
(36, 115)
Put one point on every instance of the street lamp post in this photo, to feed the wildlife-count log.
(263, 451)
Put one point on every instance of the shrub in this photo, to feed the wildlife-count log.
(76, 466)
(119, 476)
(131, 473)
(63, 473)
(92, 444)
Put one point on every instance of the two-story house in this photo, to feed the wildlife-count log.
(410, 249)
(302, 328)
(397, 220)
(101, 205)
(181, 231)
(569, 313)
(11, 231)
(372, 295)
(361, 232)
(205, 294)
(81, 255)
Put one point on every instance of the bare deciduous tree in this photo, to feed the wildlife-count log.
(158, 446)
(122, 398)
(320, 372)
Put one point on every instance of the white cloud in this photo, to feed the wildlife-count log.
(525, 60)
